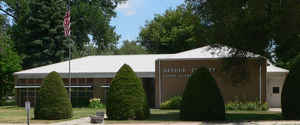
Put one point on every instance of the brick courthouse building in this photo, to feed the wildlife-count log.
(163, 76)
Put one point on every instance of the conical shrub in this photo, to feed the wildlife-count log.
(202, 99)
(53, 101)
(126, 97)
(290, 101)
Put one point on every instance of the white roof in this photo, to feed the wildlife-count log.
(272, 68)
(143, 65)
(107, 66)
(206, 52)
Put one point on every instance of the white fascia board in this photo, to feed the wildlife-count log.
(82, 75)
(28, 87)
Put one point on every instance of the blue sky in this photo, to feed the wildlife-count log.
(132, 15)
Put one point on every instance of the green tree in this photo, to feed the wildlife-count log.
(92, 18)
(10, 62)
(172, 32)
(53, 101)
(39, 33)
(241, 24)
(265, 27)
(290, 102)
(202, 99)
(126, 97)
(287, 33)
(131, 47)
(90, 22)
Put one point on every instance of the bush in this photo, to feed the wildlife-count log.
(246, 106)
(290, 102)
(202, 99)
(53, 101)
(172, 103)
(95, 103)
(126, 97)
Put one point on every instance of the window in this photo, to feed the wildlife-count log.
(276, 90)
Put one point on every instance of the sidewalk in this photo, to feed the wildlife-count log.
(86, 121)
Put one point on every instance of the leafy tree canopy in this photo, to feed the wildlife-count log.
(10, 62)
(131, 47)
(263, 27)
(174, 31)
(37, 25)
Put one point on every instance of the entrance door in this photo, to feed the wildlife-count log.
(274, 89)
(275, 96)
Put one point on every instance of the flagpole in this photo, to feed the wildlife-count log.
(70, 57)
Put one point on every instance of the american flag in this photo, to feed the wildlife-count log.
(67, 22)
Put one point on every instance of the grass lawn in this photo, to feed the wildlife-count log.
(13, 114)
(253, 115)
(158, 115)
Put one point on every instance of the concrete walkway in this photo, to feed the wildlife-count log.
(275, 109)
(86, 121)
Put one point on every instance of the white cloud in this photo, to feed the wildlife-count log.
(129, 7)
(125, 5)
(130, 12)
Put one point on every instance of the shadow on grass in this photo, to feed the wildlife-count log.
(11, 107)
(253, 116)
(169, 116)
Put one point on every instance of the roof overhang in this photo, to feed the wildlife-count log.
(32, 87)
(82, 75)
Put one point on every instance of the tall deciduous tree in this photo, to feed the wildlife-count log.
(172, 32)
(241, 24)
(288, 33)
(92, 18)
(131, 47)
(10, 62)
(265, 27)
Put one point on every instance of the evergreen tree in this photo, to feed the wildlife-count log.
(290, 102)
(53, 101)
(39, 34)
(126, 97)
(202, 99)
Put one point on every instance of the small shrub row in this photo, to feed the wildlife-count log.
(95, 103)
(246, 106)
(172, 103)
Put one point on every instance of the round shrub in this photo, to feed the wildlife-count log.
(126, 97)
(290, 101)
(202, 99)
(53, 101)
(172, 103)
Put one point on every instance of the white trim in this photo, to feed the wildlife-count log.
(213, 58)
(83, 75)
(159, 82)
(260, 84)
(25, 87)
